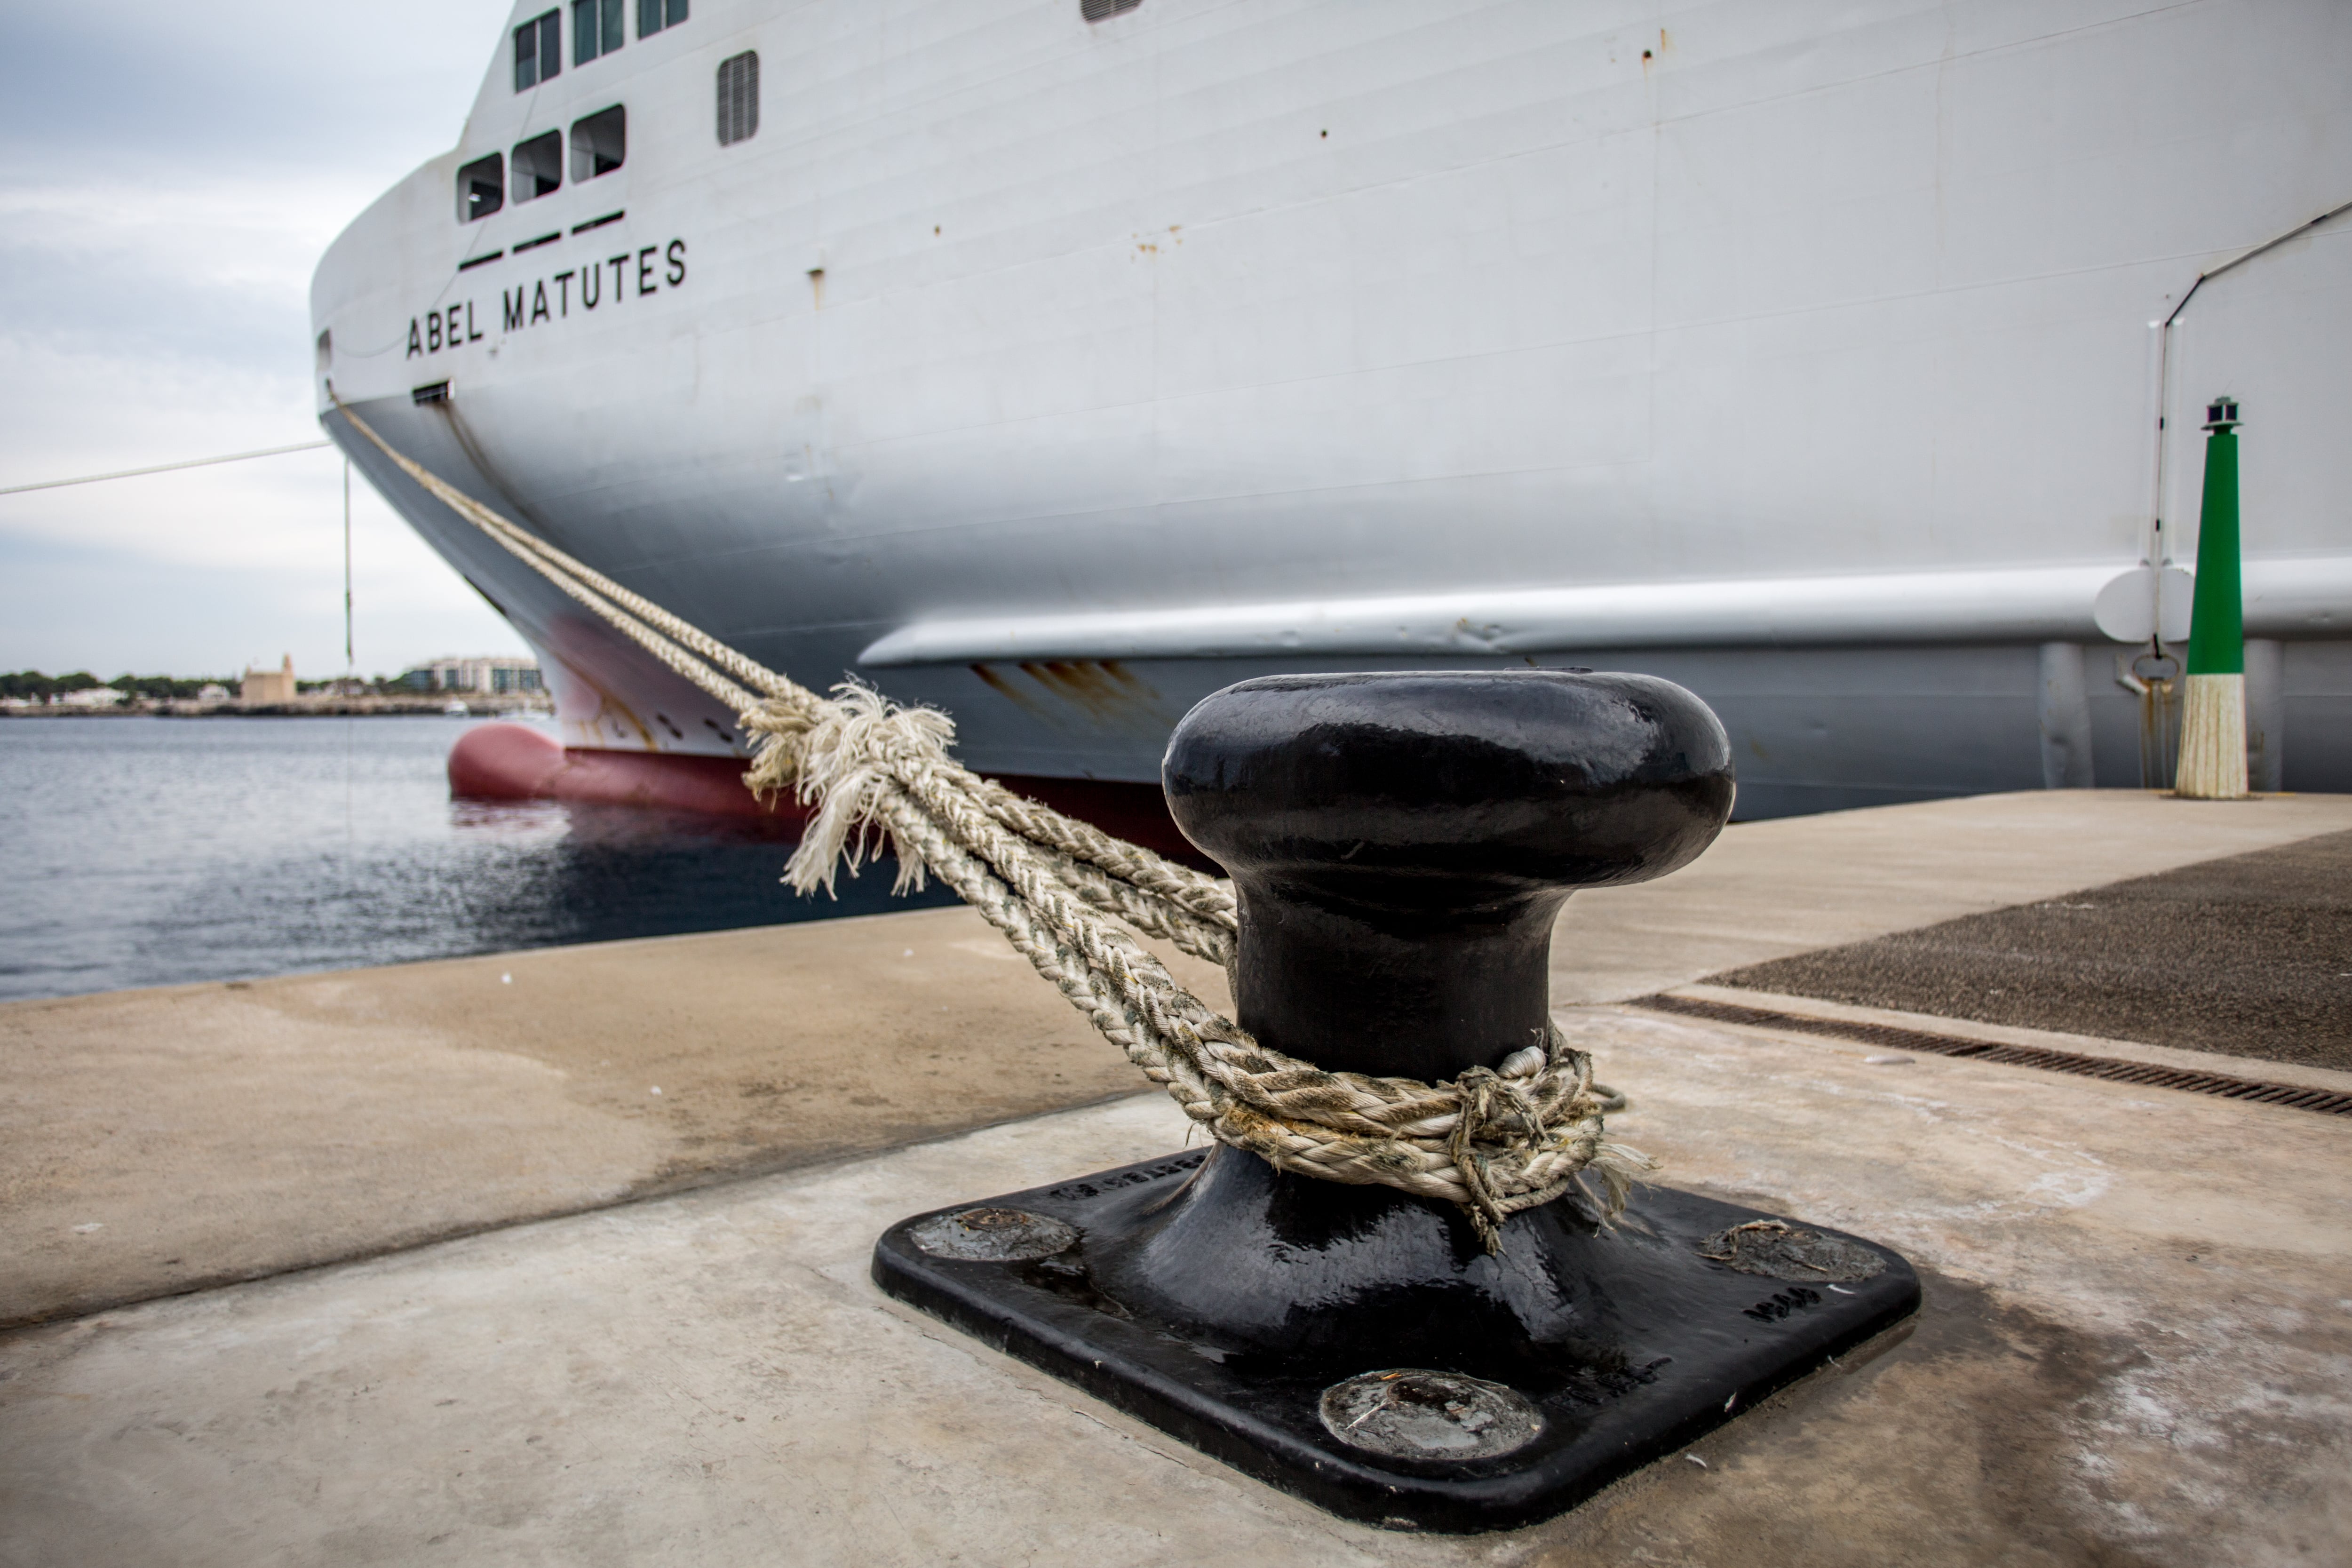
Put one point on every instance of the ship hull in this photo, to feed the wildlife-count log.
(1809, 366)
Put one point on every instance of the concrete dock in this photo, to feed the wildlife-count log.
(413, 1265)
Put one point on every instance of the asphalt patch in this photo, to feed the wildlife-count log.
(2250, 955)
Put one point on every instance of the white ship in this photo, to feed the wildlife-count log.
(1059, 362)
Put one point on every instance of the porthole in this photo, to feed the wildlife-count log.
(481, 189)
(537, 166)
(600, 143)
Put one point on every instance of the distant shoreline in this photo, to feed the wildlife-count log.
(335, 708)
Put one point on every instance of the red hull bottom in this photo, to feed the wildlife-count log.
(515, 762)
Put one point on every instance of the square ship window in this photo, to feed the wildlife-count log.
(481, 189)
(738, 98)
(596, 29)
(653, 16)
(539, 50)
(539, 166)
(599, 144)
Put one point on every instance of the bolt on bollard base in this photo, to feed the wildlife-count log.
(1400, 845)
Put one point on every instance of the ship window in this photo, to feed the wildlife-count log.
(595, 29)
(599, 144)
(539, 50)
(481, 189)
(539, 166)
(738, 98)
(653, 16)
(1103, 10)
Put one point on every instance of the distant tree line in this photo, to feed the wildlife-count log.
(147, 687)
(34, 684)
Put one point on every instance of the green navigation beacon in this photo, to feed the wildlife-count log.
(2212, 764)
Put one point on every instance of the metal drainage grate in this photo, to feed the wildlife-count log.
(2328, 1102)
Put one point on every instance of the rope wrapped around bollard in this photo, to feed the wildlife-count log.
(1067, 896)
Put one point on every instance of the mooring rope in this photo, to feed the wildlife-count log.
(1068, 895)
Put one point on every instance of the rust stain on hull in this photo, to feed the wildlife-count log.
(1006, 690)
(1087, 694)
(1103, 688)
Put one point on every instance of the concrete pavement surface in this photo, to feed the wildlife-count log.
(159, 1140)
(2135, 1350)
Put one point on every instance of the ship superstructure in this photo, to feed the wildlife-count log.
(1059, 362)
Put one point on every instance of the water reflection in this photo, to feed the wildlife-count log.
(569, 873)
(147, 852)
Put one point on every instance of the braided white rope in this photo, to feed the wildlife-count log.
(1067, 896)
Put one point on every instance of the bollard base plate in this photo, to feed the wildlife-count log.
(1694, 1340)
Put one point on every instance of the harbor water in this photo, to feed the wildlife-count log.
(160, 851)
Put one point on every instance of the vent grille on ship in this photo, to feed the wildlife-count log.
(739, 98)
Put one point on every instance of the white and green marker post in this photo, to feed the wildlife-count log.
(2212, 764)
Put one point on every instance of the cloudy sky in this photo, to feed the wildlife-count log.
(169, 176)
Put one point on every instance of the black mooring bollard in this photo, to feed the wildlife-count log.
(1400, 845)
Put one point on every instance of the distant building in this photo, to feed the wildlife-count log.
(212, 691)
(92, 697)
(487, 673)
(269, 685)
